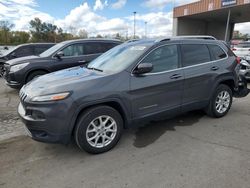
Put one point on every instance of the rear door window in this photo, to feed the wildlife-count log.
(194, 54)
(23, 51)
(93, 48)
(40, 49)
(216, 52)
(108, 46)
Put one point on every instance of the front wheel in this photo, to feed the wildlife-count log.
(98, 129)
(221, 102)
(35, 74)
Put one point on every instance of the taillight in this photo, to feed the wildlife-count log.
(238, 60)
(234, 49)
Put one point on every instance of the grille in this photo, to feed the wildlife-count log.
(22, 95)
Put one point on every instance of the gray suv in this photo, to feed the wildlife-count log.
(137, 81)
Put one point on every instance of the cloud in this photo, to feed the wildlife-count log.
(119, 4)
(159, 23)
(99, 5)
(21, 12)
(243, 27)
(161, 4)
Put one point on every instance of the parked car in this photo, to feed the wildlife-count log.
(245, 67)
(63, 55)
(21, 51)
(131, 83)
(242, 49)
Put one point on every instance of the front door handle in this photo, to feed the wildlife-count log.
(214, 68)
(175, 76)
(82, 61)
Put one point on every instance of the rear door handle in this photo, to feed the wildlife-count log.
(175, 76)
(82, 61)
(214, 68)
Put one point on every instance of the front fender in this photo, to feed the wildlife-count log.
(126, 112)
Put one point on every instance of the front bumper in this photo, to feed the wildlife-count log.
(245, 73)
(48, 122)
(11, 80)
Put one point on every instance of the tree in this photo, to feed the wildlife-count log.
(5, 27)
(99, 36)
(42, 31)
(19, 37)
(82, 33)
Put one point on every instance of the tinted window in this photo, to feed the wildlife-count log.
(23, 51)
(216, 52)
(108, 46)
(93, 48)
(40, 49)
(193, 54)
(74, 50)
(163, 58)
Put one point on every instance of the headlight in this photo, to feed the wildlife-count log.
(52, 97)
(16, 68)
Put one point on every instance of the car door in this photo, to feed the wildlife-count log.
(72, 55)
(199, 73)
(161, 89)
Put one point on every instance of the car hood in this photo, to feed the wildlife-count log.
(61, 81)
(21, 60)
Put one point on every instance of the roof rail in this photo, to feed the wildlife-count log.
(205, 37)
(132, 40)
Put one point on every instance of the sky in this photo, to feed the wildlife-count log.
(105, 17)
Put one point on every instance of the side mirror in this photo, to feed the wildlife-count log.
(143, 68)
(59, 54)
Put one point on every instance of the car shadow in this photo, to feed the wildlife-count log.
(149, 133)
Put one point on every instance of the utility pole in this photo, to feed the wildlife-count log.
(134, 23)
(146, 29)
(227, 26)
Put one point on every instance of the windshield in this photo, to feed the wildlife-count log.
(51, 50)
(118, 58)
(244, 45)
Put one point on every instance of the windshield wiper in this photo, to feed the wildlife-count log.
(92, 68)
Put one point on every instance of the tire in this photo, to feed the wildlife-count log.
(90, 120)
(223, 105)
(34, 74)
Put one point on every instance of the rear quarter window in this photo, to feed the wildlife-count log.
(216, 52)
(194, 54)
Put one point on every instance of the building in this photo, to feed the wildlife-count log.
(210, 17)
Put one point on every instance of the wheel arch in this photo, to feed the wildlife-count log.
(114, 103)
(35, 70)
(226, 80)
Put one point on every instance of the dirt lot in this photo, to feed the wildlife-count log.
(191, 151)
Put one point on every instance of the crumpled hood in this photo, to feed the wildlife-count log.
(60, 81)
(21, 60)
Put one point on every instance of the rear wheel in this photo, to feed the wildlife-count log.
(98, 129)
(221, 102)
(35, 74)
